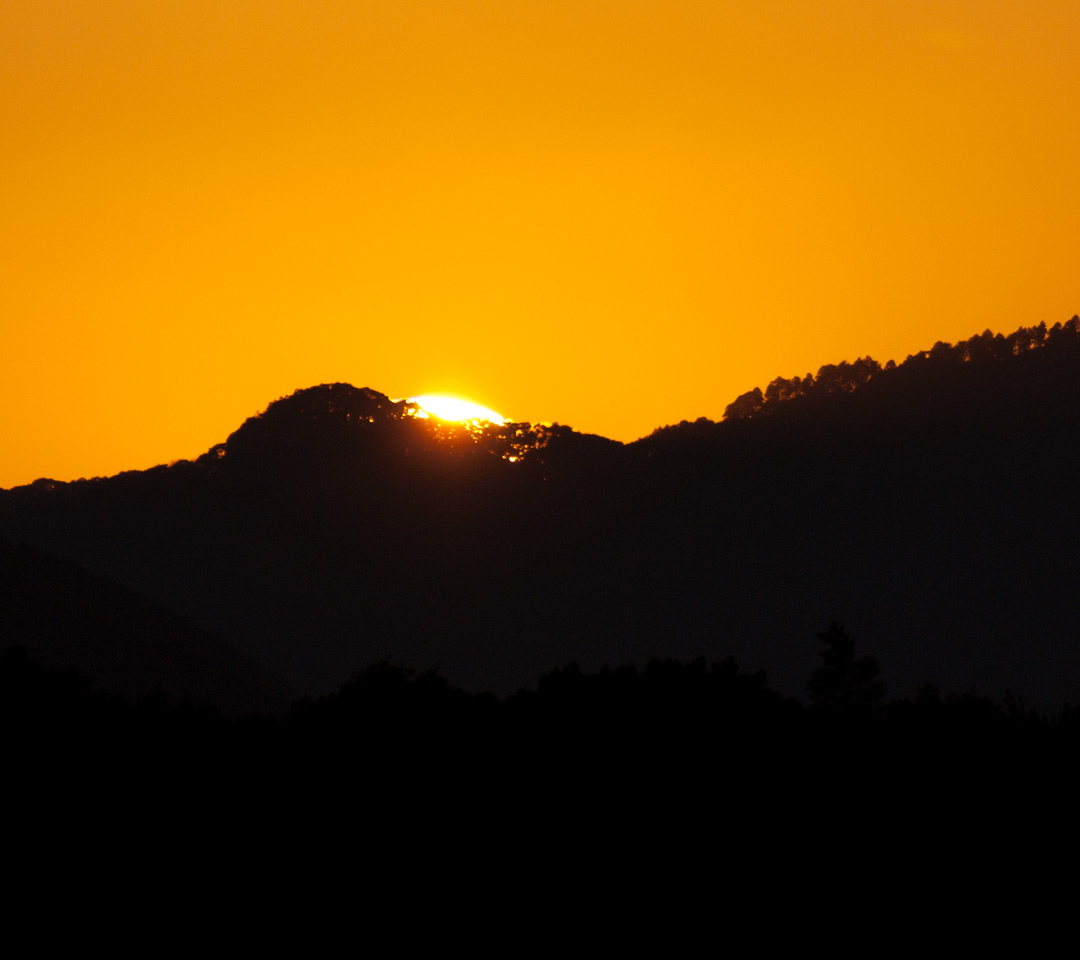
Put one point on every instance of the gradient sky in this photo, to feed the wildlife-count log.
(613, 214)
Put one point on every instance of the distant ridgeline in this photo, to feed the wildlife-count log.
(930, 506)
(985, 352)
(332, 413)
(964, 365)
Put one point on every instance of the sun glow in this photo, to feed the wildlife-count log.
(455, 409)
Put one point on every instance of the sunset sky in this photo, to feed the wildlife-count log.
(614, 214)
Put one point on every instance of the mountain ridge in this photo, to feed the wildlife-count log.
(929, 506)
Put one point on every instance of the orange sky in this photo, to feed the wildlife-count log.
(611, 214)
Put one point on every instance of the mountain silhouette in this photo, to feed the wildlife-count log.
(929, 505)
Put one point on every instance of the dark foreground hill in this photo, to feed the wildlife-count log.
(931, 506)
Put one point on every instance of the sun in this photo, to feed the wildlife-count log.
(455, 409)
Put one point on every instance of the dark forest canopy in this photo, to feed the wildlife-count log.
(984, 352)
(928, 504)
(628, 767)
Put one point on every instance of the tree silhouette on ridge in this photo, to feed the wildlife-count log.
(840, 682)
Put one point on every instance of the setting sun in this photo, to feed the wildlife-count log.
(455, 409)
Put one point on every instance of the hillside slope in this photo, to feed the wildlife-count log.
(929, 505)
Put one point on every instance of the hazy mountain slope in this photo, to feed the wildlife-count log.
(67, 617)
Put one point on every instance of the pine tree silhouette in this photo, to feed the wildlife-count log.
(842, 683)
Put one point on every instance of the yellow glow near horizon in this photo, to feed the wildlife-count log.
(607, 214)
(455, 409)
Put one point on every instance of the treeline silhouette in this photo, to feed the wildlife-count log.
(659, 784)
(931, 504)
(985, 352)
(392, 734)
